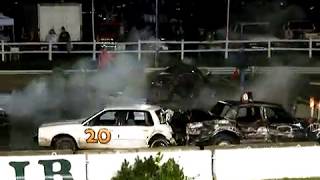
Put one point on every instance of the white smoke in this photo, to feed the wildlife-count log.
(80, 93)
(280, 85)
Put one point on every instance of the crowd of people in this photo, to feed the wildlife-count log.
(52, 37)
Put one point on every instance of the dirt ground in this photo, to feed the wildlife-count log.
(12, 82)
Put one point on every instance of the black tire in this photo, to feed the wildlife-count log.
(225, 139)
(65, 143)
(159, 142)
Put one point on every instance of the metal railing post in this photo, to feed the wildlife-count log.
(50, 51)
(139, 50)
(310, 48)
(94, 50)
(2, 50)
(182, 49)
(226, 53)
(269, 49)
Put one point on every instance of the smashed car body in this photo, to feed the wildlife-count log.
(179, 80)
(252, 122)
(5, 128)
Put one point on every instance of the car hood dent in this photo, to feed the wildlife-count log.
(67, 122)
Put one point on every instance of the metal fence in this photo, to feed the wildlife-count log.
(212, 70)
(157, 47)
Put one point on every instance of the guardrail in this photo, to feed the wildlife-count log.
(245, 163)
(144, 47)
(212, 70)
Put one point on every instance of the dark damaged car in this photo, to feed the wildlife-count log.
(252, 122)
(179, 80)
(182, 118)
(4, 129)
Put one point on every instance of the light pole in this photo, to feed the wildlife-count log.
(92, 20)
(227, 31)
(157, 35)
(157, 25)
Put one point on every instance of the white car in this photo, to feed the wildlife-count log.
(124, 127)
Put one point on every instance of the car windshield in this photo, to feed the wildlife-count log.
(92, 115)
(278, 115)
(231, 113)
(164, 115)
(256, 29)
(161, 116)
(220, 109)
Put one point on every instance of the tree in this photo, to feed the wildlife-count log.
(150, 169)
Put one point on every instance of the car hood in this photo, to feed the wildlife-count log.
(67, 122)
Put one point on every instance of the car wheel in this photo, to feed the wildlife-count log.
(224, 140)
(160, 142)
(64, 143)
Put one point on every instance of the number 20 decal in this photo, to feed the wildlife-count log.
(92, 136)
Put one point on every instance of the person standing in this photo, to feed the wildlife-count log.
(51, 37)
(104, 59)
(241, 62)
(242, 66)
(65, 37)
(288, 34)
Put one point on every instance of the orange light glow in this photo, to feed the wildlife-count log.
(311, 102)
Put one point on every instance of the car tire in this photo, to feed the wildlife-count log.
(224, 140)
(65, 143)
(159, 142)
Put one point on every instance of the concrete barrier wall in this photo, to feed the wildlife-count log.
(39, 167)
(266, 163)
(196, 165)
(227, 164)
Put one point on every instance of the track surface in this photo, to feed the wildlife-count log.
(24, 128)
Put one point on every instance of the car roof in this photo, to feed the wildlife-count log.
(258, 103)
(141, 107)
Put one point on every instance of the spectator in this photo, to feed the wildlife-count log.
(242, 66)
(104, 59)
(35, 35)
(52, 37)
(288, 34)
(25, 36)
(65, 37)
(241, 62)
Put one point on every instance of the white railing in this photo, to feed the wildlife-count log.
(181, 47)
(212, 70)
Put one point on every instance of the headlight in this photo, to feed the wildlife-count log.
(195, 125)
(224, 122)
(193, 131)
(194, 128)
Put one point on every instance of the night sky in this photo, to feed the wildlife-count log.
(192, 15)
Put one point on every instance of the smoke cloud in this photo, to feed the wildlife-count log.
(76, 95)
(280, 85)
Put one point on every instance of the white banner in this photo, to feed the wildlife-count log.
(266, 163)
(54, 16)
(60, 167)
(196, 165)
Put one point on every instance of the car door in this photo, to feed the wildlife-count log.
(136, 130)
(100, 132)
(251, 124)
(281, 125)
